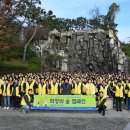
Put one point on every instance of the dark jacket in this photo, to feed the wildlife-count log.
(102, 103)
(27, 100)
(66, 89)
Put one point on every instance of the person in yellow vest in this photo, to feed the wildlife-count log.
(1, 83)
(30, 85)
(125, 85)
(104, 89)
(42, 87)
(21, 86)
(90, 88)
(7, 90)
(84, 87)
(16, 94)
(119, 95)
(61, 86)
(128, 94)
(26, 102)
(73, 86)
(55, 88)
(48, 87)
(35, 86)
(78, 87)
(102, 103)
(113, 85)
(96, 85)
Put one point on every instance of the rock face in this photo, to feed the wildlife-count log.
(89, 51)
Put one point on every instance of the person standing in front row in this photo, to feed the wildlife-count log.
(1, 83)
(16, 94)
(119, 95)
(7, 94)
(66, 88)
(128, 89)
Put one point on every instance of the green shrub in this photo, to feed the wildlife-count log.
(126, 49)
(6, 67)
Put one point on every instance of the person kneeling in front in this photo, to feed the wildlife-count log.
(101, 103)
(26, 101)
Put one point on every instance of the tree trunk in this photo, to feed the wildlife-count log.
(26, 45)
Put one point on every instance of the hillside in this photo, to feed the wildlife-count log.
(11, 60)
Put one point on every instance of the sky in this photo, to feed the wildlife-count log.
(77, 8)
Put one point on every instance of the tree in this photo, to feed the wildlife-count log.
(111, 16)
(20, 12)
(26, 45)
(95, 13)
(81, 23)
(107, 21)
(32, 18)
(96, 18)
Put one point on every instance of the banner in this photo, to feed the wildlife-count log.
(64, 102)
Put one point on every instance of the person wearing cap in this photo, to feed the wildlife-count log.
(26, 101)
(102, 103)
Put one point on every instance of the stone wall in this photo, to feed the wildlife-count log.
(90, 50)
(96, 51)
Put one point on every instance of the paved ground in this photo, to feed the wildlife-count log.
(64, 120)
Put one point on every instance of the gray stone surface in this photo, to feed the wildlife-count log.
(127, 127)
(64, 120)
(95, 47)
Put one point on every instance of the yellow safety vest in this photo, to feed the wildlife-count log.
(83, 87)
(100, 100)
(119, 91)
(104, 90)
(41, 89)
(23, 102)
(6, 92)
(114, 85)
(0, 88)
(54, 89)
(77, 89)
(0, 81)
(29, 87)
(125, 90)
(89, 90)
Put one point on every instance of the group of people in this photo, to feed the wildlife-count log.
(19, 89)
